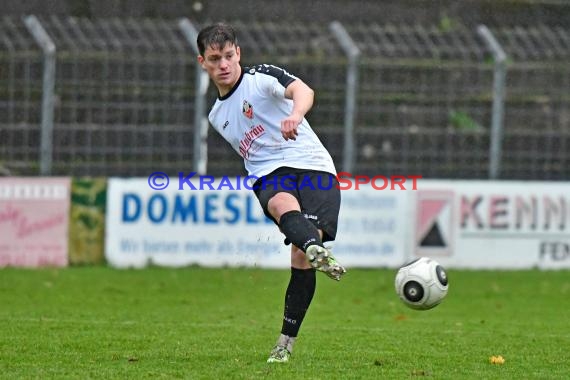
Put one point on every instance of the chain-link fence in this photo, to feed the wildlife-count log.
(122, 101)
(124, 97)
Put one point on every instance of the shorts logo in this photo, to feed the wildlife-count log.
(309, 216)
(434, 223)
(247, 109)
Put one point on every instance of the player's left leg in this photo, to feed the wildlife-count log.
(298, 297)
(303, 229)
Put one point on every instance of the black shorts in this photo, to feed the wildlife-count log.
(317, 192)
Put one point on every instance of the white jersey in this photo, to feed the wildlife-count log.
(249, 118)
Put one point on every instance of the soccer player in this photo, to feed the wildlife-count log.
(260, 111)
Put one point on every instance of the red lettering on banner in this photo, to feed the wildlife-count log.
(9, 214)
(23, 226)
(34, 215)
(505, 211)
(498, 211)
(26, 228)
(469, 211)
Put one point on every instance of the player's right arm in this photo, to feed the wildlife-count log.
(303, 97)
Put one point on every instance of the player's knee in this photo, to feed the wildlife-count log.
(281, 203)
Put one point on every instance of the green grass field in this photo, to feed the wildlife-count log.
(96, 322)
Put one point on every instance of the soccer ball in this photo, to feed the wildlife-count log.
(421, 284)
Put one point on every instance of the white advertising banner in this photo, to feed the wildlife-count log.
(174, 227)
(34, 221)
(492, 224)
(372, 228)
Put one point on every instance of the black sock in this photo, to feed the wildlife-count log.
(297, 299)
(298, 230)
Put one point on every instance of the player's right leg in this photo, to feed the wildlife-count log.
(284, 207)
(322, 260)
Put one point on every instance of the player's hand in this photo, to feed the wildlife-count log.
(289, 128)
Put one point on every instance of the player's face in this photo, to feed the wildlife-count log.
(222, 65)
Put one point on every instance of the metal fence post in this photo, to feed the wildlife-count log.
(352, 53)
(200, 160)
(48, 47)
(499, 82)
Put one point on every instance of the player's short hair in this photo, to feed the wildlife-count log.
(216, 36)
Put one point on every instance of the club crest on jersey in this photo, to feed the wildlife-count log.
(247, 109)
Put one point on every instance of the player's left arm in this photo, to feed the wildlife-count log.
(303, 97)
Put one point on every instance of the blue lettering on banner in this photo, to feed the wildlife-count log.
(160, 246)
(250, 219)
(129, 245)
(183, 210)
(201, 246)
(211, 208)
(254, 248)
(232, 208)
(226, 247)
(157, 210)
(131, 201)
